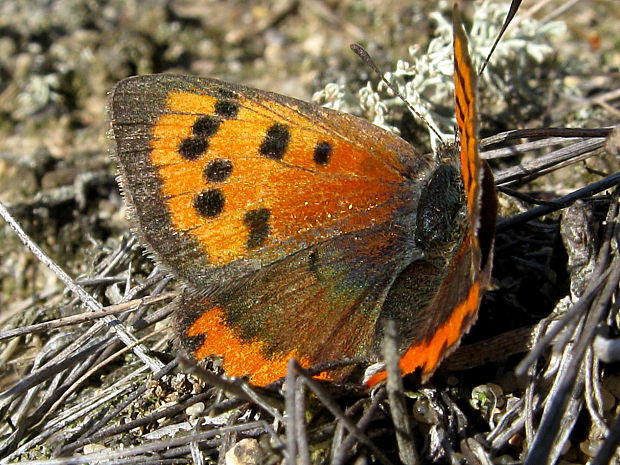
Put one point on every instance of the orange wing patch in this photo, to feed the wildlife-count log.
(224, 162)
(427, 355)
(240, 357)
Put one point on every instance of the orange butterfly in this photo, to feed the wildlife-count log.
(298, 230)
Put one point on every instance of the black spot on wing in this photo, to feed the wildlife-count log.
(193, 148)
(209, 203)
(276, 141)
(218, 170)
(322, 153)
(258, 223)
(227, 109)
(206, 126)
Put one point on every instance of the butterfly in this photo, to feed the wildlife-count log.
(297, 230)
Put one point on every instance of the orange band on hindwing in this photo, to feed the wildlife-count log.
(240, 357)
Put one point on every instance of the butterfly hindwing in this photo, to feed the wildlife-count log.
(319, 304)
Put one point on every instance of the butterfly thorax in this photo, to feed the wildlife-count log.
(441, 212)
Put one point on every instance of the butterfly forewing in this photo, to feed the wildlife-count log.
(465, 81)
(245, 177)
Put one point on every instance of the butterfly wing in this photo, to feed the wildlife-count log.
(224, 180)
(477, 175)
(455, 287)
(316, 305)
(465, 81)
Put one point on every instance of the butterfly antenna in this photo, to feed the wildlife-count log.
(514, 6)
(365, 57)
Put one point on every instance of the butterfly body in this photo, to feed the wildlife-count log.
(297, 230)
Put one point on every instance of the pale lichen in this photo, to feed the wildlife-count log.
(426, 78)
